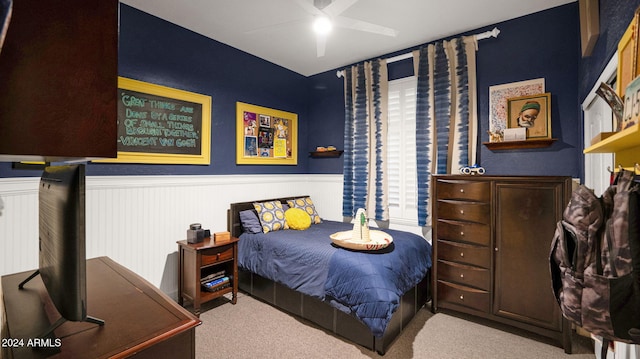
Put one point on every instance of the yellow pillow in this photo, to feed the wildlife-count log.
(297, 219)
(306, 204)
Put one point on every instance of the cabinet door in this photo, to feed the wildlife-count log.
(526, 216)
(58, 80)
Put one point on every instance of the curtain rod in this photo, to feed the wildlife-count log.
(480, 36)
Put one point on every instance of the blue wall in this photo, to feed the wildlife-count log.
(545, 44)
(615, 17)
(156, 51)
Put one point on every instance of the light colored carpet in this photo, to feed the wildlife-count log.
(254, 329)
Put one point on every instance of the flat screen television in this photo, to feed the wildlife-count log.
(62, 254)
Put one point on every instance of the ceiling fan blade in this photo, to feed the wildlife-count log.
(321, 44)
(364, 26)
(308, 7)
(338, 7)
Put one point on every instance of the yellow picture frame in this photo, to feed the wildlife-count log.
(265, 136)
(168, 128)
(627, 56)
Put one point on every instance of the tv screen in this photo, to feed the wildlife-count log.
(62, 239)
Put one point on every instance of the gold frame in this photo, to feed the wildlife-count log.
(628, 56)
(204, 158)
(537, 131)
(269, 116)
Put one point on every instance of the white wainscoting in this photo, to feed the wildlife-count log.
(136, 220)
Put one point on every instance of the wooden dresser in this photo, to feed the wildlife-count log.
(140, 321)
(491, 243)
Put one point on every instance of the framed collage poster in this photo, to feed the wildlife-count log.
(265, 136)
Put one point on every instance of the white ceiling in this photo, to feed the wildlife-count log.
(279, 31)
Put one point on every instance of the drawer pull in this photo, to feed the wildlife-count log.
(461, 275)
(461, 190)
(461, 233)
(461, 254)
(461, 297)
(462, 211)
(217, 256)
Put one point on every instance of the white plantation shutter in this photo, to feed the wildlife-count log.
(401, 151)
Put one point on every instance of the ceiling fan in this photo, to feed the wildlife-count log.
(327, 13)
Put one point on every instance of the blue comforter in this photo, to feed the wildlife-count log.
(367, 284)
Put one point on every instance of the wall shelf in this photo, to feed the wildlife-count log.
(512, 145)
(326, 154)
(625, 139)
(624, 144)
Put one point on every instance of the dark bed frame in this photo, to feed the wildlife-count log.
(320, 312)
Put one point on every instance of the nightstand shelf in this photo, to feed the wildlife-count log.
(197, 261)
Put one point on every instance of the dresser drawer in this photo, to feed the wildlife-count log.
(464, 253)
(465, 296)
(217, 254)
(464, 274)
(465, 190)
(464, 231)
(464, 211)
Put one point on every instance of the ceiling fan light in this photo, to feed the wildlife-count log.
(322, 25)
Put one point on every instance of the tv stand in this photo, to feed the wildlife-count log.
(62, 320)
(141, 321)
(59, 322)
(33, 275)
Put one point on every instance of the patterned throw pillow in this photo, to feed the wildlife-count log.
(271, 215)
(297, 219)
(306, 204)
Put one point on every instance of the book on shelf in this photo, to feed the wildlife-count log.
(217, 284)
(213, 276)
(217, 288)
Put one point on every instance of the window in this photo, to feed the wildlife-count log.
(401, 151)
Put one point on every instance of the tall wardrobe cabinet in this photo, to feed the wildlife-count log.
(491, 243)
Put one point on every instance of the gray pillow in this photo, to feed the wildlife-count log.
(250, 221)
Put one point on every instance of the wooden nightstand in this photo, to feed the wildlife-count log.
(199, 260)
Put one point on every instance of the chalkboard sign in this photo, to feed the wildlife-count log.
(158, 124)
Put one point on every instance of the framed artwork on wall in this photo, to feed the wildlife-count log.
(265, 136)
(533, 113)
(162, 125)
(499, 94)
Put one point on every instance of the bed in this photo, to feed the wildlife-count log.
(367, 297)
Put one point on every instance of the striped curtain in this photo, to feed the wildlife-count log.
(365, 138)
(446, 117)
